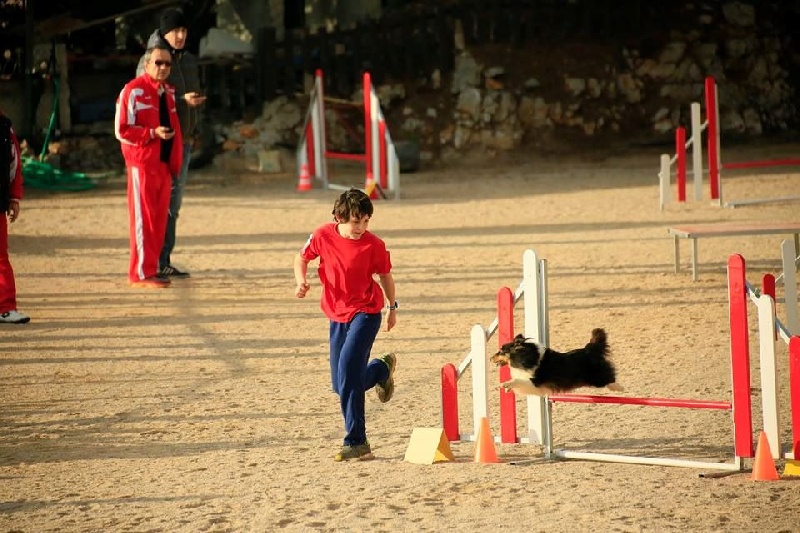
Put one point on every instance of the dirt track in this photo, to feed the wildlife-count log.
(207, 406)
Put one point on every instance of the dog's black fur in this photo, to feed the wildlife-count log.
(550, 372)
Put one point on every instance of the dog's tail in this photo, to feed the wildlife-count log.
(599, 342)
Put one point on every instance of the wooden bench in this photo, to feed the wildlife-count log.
(698, 231)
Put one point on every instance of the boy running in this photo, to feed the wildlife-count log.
(349, 256)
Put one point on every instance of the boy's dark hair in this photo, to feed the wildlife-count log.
(352, 203)
(5, 163)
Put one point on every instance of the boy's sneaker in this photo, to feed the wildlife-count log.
(14, 317)
(385, 389)
(360, 452)
(171, 271)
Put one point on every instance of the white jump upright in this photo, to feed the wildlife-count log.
(382, 167)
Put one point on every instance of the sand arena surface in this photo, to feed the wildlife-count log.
(207, 406)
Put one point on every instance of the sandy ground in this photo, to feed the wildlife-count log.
(207, 406)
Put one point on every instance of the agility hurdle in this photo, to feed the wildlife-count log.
(679, 160)
(715, 164)
(540, 420)
(770, 328)
(533, 291)
(382, 167)
(739, 406)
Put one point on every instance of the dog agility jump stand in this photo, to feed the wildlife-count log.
(532, 290)
(740, 406)
(715, 164)
(380, 158)
(769, 328)
(540, 408)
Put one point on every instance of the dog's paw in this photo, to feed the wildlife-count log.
(616, 387)
(507, 385)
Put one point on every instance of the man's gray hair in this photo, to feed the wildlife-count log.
(149, 52)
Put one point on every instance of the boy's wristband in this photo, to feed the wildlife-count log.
(393, 307)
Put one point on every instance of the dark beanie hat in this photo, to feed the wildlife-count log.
(171, 19)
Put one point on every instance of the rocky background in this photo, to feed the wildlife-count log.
(566, 97)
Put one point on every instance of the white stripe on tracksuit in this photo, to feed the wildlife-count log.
(137, 220)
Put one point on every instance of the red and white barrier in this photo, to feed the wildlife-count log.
(540, 419)
(382, 168)
(770, 329)
(715, 164)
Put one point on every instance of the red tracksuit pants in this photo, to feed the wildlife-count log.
(148, 208)
(8, 288)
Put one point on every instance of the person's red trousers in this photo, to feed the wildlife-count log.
(148, 206)
(8, 288)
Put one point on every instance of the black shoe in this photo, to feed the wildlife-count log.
(170, 271)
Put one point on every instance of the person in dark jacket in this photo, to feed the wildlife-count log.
(185, 77)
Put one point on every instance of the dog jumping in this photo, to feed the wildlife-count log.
(542, 371)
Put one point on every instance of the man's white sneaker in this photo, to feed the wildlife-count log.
(14, 317)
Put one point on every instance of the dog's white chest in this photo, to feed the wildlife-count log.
(519, 373)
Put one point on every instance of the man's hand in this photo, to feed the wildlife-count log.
(13, 210)
(164, 132)
(194, 99)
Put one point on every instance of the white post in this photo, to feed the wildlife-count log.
(789, 258)
(697, 151)
(393, 165)
(480, 376)
(374, 133)
(533, 330)
(768, 363)
(318, 130)
(663, 181)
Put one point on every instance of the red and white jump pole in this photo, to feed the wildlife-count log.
(740, 405)
(769, 330)
(715, 164)
(532, 290)
(379, 158)
(679, 160)
(540, 408)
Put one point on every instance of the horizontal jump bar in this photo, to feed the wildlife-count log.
(756, 164)
(656, 402)
(350, 157)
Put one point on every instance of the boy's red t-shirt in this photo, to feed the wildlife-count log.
(346, 267)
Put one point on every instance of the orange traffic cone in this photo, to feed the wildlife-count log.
(370, 188)
(484, 444)
(764, 466)
(304, 184)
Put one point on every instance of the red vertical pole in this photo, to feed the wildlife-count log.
(505, 333)
(312, 167)
(794, 393)
(367, 90)
(712, 134)
(768, 285)
(768, 288)
(680, 150)
(450, 402)
(740, 358)
(382, 154)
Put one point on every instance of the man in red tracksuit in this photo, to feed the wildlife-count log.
(149, 132)
(10, 195)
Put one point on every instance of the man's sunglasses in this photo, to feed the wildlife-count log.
(162, 63)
